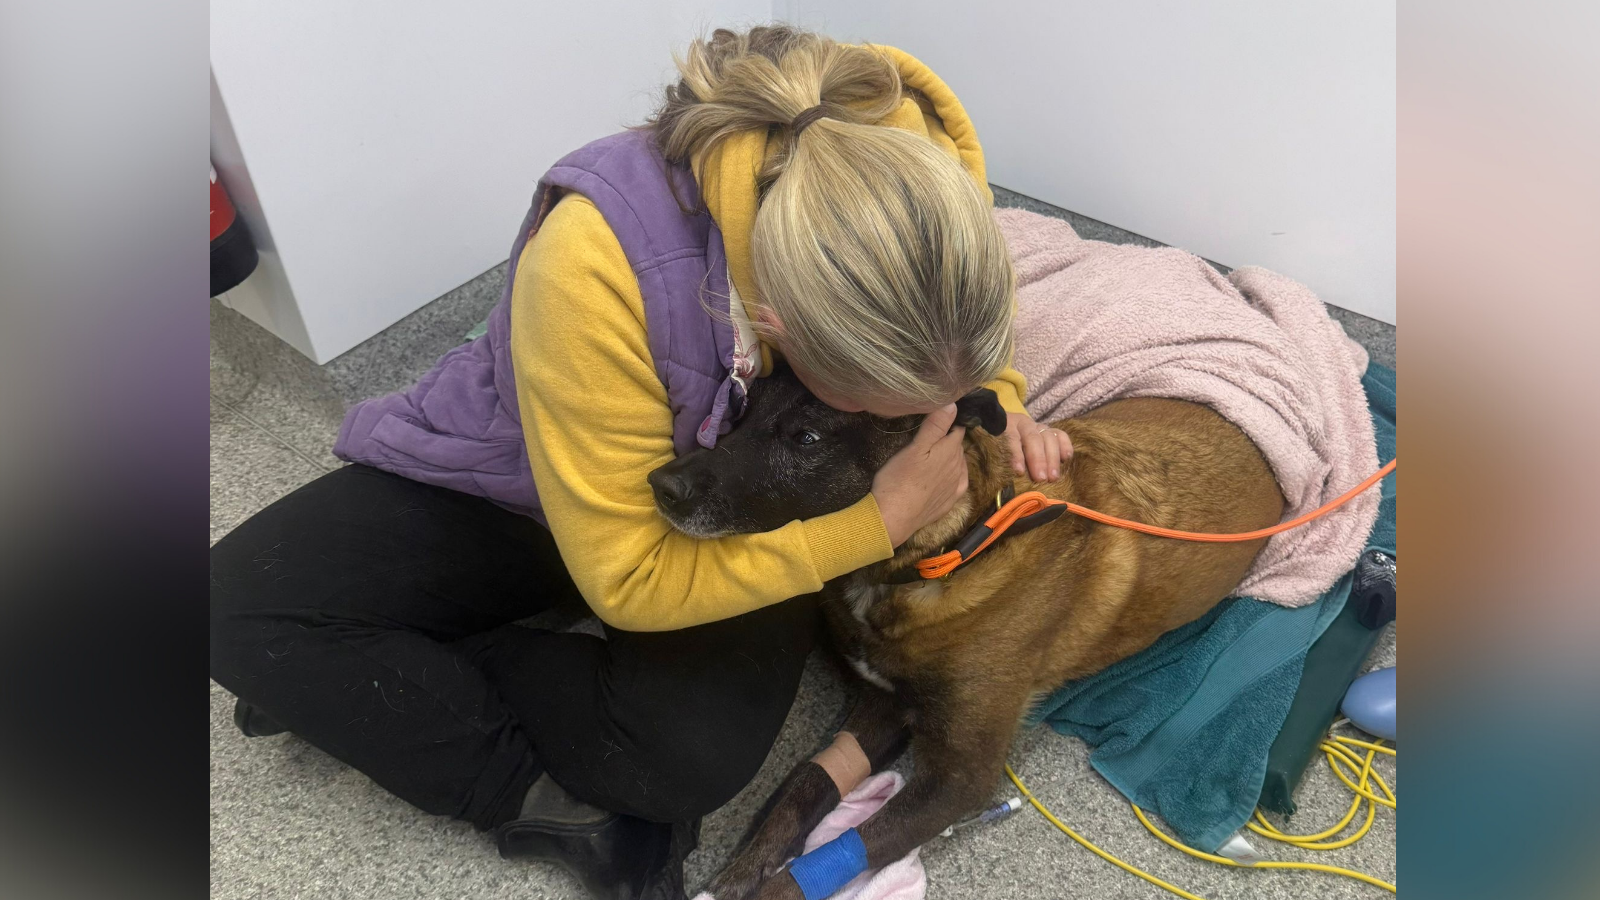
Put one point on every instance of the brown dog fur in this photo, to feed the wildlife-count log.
(965, 656)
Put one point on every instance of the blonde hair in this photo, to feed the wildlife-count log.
(874, 250)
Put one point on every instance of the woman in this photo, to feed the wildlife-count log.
(793, 199)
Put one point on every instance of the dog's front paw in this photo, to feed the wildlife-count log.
(740, 880)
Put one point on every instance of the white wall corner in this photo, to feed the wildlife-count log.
(265, 297)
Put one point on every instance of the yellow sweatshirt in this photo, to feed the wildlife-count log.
(597, 420)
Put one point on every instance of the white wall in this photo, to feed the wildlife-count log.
(393, 146)
(1248, 131)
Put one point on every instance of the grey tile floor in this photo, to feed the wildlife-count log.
(289, 821)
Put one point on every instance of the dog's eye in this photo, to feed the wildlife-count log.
(806, 436)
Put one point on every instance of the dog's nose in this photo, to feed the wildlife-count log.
(672, 490)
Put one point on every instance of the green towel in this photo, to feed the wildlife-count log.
(1183, 728)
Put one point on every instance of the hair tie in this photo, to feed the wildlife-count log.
(806, 118)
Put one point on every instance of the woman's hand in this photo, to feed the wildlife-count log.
(1037, 451)
(922, 482)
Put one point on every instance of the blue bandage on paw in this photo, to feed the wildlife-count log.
(823, 871)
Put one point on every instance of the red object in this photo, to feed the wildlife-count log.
(222, 211)
(233, 253)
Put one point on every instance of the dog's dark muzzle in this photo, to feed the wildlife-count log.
(677, 487)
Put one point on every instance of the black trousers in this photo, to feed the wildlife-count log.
(372, 616)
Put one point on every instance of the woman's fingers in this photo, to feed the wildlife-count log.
(955, 464)
(1052, 451)
(936, 425)
(1034, 449)
(925, 480)
(1014, 440)
(1037, 451)
(1063, 449)
(1066, 444)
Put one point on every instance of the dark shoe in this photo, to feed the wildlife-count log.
(253, 722)
(615, 857)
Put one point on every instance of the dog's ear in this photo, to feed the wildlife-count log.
(981, 409)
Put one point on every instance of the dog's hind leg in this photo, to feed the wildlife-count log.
(809, 793)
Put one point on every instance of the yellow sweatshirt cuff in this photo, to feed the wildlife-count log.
(844, 541)
(1006, 391)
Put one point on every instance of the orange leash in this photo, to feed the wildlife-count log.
(1032, 503)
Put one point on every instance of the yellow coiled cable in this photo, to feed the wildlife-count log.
(1336, 749)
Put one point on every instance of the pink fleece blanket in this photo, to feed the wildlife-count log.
(1098, 322)
(900, 880)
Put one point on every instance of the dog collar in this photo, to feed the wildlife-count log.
(1011, 514)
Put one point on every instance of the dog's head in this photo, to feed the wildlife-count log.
(791, 457)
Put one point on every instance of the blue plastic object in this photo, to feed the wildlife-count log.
(823, 871)
(1369, 704)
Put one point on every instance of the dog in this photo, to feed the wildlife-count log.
(951, 666)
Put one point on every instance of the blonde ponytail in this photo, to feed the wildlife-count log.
(874, 249)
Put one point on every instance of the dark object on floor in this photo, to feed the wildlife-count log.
(253, 722)
(1373, 592)
(617, 858)
(1332, 663)
(233, 252)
